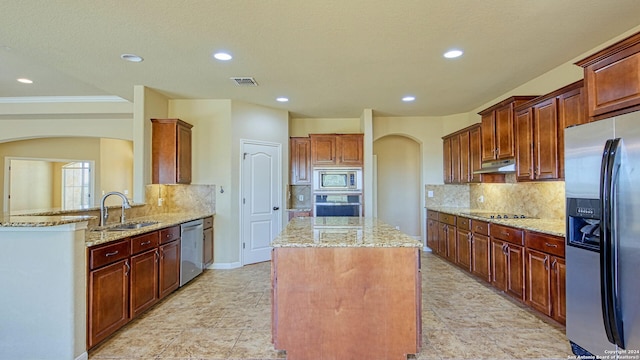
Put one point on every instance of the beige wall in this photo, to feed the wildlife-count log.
(399, 182)
(32, 185)
(116, 169)
(306, 126)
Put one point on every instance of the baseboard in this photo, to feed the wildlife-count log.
(224, 266)
(426, 249)
(83, 356)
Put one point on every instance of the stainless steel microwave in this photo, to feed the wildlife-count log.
(336, 179)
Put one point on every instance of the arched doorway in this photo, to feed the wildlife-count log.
(399, 172)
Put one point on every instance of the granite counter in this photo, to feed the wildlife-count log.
(342, 232)
(555, 227)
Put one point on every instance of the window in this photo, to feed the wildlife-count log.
(76, 185)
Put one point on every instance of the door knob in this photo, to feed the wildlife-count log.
(276, 208)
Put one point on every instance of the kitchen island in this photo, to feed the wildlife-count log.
(345, 288)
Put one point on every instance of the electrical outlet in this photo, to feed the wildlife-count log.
(300, 197)
(430, 193)
(160, 201)
(481, 199)
(397, 227)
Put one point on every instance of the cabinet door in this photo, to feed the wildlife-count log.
(183, 175)
(455, 159)
(538, 282)
(207, 248)
(559, 297)
(546, 140)
(144, 282)
(442, 240)
(480, 256)
(504, 132)
(108, 301)
(169, 267)
(524, 145)
(300, 161)
(463, 247)
(499, 264)
(488, 126)
(452, 250)
(447, 174)
(323, 150)
(571, 111)
(349, 149)
(432, 235)
(515, 271)
(465, 157)
(475, 154)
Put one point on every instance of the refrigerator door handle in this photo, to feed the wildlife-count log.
(611, 310)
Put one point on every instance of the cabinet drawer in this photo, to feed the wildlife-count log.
(506, 233)
(144, 242)
(431, 214)
(207, 222)
(447, 219)
(480, 227)
(463, 223)
(169, 234)
(106, 254)
(550, 244)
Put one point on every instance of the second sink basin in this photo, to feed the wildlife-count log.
(129, 226)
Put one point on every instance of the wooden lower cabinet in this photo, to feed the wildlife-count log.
(515, 271)
(432, 230)
(108, 299)
(499, 264)
(463, 243)
(480, 250)
(507, 260)
(169, 267)
(546, 275)
(144, 282)
(207, 248)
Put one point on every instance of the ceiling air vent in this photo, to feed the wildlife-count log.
(244, 81)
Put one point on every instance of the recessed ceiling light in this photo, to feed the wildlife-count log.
(453, 54)
(408, 98)
(223, 56)
(282, 99)
(131, 57)
(25, 81)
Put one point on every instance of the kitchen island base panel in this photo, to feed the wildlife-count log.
(342, 303)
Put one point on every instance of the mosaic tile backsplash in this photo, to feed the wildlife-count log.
(544, 200)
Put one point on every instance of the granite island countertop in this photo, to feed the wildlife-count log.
(555, 227)
(325, 232)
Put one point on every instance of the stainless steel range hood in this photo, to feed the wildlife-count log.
(498, 167)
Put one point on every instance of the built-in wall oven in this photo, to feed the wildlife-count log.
(337, 192)
(337, 204)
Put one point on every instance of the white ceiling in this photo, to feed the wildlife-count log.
(331, 58)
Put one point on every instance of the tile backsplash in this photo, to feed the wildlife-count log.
(544, 200)
(297, 192)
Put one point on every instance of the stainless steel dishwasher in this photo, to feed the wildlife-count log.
(191, 237)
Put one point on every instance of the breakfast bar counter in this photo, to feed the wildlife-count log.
(345, 287)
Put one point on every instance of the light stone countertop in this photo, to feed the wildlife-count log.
(555, 227)
(96, 236)
(324, 232)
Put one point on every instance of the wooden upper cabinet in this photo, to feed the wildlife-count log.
(337, 150)
(545, 116)
(349, 149)
(447, 169)
(524, 144)
(612, 79)
(300, 160)
(465, 156)
(540, 125)
(475, 153)
(498, 128)
(171, 151)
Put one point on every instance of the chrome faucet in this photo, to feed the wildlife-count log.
(104, 213)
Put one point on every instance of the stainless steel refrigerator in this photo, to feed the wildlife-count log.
(602, 179)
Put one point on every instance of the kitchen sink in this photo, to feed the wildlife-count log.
(127, 226)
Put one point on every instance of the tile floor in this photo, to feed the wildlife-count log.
(226, 314)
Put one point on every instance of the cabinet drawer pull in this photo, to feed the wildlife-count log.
(145, 243)
(126, 263)
(551, 245)
(505, 233)
(546, 263)
(111, 253)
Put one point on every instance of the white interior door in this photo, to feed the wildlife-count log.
(261, 197)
